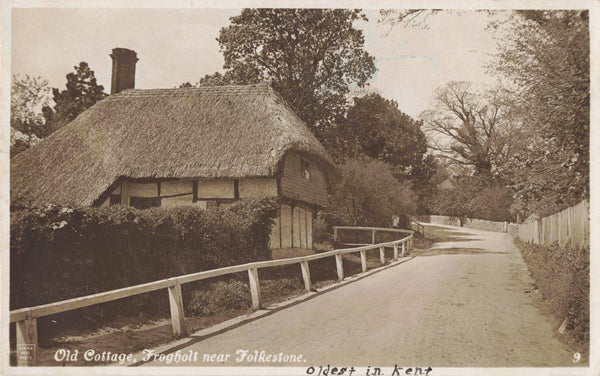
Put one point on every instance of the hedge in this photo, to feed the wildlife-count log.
(58, 253)
(562, 275)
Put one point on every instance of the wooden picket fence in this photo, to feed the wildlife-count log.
(26, 318)
(571, 225)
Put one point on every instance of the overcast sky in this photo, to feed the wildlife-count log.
(175, 46)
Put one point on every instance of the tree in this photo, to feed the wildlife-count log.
(469, 129)
(215, 79)
(28, 95)
(449, 202)
(492, 204)
(81, 93)
(375, 127)
(406, 17)
(545, 54)
(313, 57)
(367, 194)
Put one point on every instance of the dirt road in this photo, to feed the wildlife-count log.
(463, 303)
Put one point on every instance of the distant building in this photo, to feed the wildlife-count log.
(205, 146)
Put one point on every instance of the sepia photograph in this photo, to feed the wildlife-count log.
(362, 188)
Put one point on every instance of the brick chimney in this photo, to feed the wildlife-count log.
(123, 69)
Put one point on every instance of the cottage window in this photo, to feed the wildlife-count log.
(305, 168)
(144, 202)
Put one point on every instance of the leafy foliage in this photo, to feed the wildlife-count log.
(313, 57)
(546, 56)
(221, 297)
(82, 91)
(368, 194)
(492, 204)
(28, 95)
(450, 202)
(60, 253)
(563, 277)
(376, 128)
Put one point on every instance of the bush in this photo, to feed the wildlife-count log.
(60, 253)
(322, 228)
(492, 204)
(563, 277)
(368, 194)
(222, 297)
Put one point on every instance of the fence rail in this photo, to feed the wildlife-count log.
(420, 227)
(26, 322)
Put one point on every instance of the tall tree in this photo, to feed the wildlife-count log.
(28, 95)
(82, 91)
(545, 53)
(470, 129)
(375, 127)
(313, 57)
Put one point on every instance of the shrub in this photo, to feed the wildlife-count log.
(322, 228)
(368, 194)
(60, 253)
(563, 277)
(492, 204)
(222, 297)
(449, 202)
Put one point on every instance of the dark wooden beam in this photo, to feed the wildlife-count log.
(195, 191)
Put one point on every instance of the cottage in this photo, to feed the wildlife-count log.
(205, 146)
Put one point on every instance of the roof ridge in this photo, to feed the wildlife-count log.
(262, 87)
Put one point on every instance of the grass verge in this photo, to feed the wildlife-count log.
(207, 303)
(562, 275)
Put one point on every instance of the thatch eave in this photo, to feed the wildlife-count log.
(194, 133)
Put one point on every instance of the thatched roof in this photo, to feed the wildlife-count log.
(208, 132)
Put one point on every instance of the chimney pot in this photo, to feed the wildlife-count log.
(123, 69)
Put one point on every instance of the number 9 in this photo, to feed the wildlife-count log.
(576, 357)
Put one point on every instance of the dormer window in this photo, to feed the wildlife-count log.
(305, 168)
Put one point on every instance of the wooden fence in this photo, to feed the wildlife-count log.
(570, 225)
(26, 318)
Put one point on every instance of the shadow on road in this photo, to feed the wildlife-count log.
(453, 251)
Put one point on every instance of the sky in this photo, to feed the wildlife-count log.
(179, 45)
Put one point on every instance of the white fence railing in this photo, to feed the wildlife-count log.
(26, 318)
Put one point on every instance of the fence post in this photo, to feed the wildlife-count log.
(335, 234)
(382, 255)
(373, 237)
(27, 335)
(395, 252)
(305, 274)
(176, 305)
(254, 287)
(339, 266)
(363, 260)
(403, 248)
